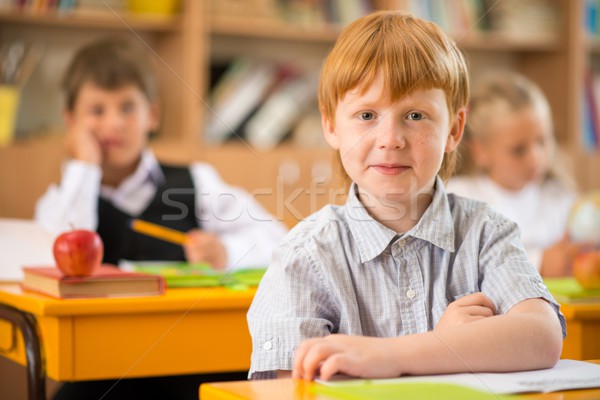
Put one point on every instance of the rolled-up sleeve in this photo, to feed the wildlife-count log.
(508, 275)
(291, 304)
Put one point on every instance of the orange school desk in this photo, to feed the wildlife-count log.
(185, 331)
(583, 331)
(294, 389)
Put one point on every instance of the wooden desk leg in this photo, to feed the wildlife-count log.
(36, 373)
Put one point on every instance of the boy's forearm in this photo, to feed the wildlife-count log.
(510, 342)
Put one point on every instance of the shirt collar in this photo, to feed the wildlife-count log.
(371, 237)
(435, 226)
(152, 169)
(148, 170)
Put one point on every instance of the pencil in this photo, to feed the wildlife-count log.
(157, 231)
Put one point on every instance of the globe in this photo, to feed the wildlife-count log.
(584, 218)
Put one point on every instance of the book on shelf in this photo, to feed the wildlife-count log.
(282, 110)
(237, 94)
(591, 112)
(107, 281)
(182, 274)
(567, 290)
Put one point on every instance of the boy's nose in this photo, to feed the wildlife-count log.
(389, 134)
(113, 119)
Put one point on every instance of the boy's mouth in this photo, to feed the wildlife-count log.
(390, 169)
(110, 143)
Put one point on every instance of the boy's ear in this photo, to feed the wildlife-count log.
(456, 130)
(329, 132)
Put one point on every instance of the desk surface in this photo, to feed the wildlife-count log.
(294, 389)
(216, 298)
(184, 331)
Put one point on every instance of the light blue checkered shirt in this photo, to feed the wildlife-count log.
(341, 271)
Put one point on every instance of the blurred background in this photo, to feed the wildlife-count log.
(238, 82)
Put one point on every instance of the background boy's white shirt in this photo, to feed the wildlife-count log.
(540, 209)
(73, 203)
(247, 231)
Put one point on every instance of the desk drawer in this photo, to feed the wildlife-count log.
(136, 345)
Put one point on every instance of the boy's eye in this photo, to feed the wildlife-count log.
(97, 110)
(128, 107)
(518, 151)
(415, 116)
(366, 116)
(541, 142)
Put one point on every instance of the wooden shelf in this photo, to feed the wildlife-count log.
(490, 41)
(272, 29)
(188, 44)
(94, 20)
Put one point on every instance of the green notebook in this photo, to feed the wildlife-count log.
(199, 275)
(567, 290)
(406, 391)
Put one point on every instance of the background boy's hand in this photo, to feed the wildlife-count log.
(557, 259)
(359, 356)
(82, 144)
(205, 247)
(467, 309)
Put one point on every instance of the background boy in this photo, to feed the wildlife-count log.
(112, 175)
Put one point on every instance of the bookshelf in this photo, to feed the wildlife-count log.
(290, 180)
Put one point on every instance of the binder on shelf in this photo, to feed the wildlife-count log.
(241, 89)
(281, 111)
(591, 112)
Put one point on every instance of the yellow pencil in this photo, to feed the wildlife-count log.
(157, 231)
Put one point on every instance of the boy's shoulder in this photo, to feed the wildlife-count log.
(469, 211)
(326, 225)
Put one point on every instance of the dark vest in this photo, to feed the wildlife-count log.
(173, 206)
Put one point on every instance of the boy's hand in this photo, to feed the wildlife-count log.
(467, 309)
(557, 259)
(359, 356)
(205, 247)
(82, 144)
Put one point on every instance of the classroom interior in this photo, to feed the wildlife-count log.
(193, 45)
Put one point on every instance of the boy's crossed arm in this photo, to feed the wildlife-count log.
(468, 338)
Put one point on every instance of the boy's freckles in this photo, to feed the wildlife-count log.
(392, 148)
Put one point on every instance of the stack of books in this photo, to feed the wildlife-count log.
(107, 281)
(567, 290)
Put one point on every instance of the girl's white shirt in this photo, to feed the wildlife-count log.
(540, 209)
(248, 232)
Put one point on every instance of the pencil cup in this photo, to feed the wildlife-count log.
(9, 104)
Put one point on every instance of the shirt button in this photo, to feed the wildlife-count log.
(268, 346)
(401, 242)
(542, 286)
(411, 294)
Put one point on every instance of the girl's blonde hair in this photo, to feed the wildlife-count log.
(500, 92)
(409, 52)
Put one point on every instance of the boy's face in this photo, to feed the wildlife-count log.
(393, 151)
(119, 119)
(517, 148)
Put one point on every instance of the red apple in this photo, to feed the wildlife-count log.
(586, 269)
(78, 252)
